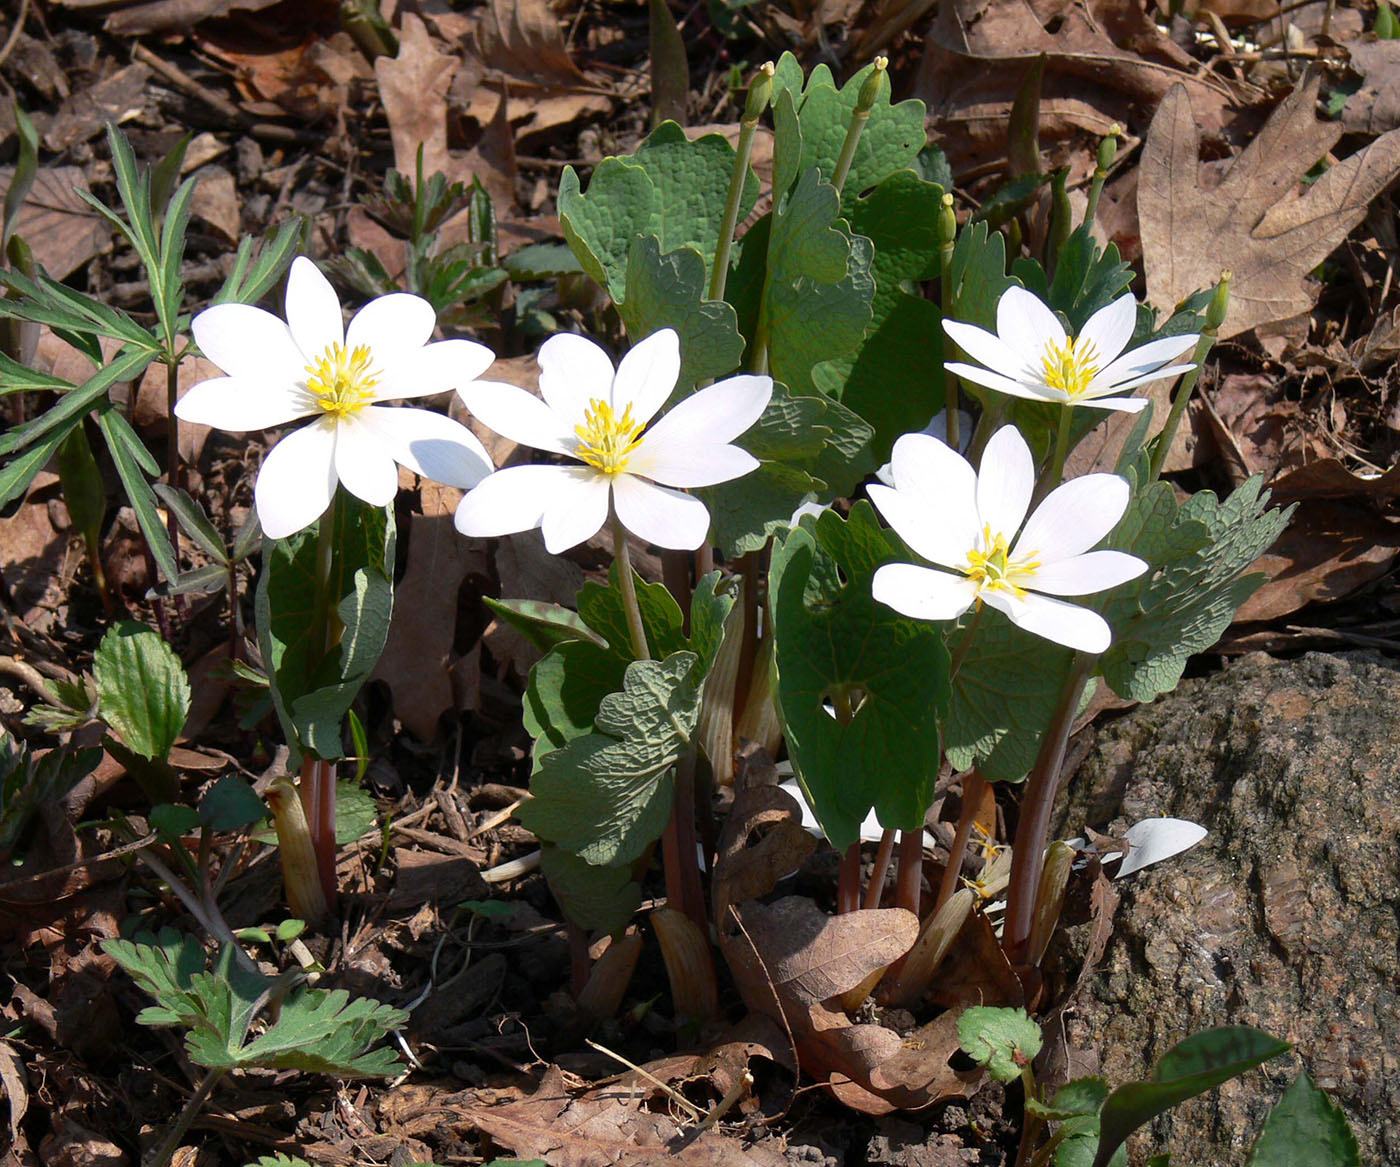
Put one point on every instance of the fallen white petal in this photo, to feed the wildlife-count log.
(1153, 840)
(660, 515)
(239, 404)
(297, 480)
(313, 310)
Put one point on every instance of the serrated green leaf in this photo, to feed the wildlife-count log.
(143, 691)
(1305, 1129)
(540, 261)
(1080, 1097)
(1005, 1041)
(835, 643)
(1193, 1066)
(667, 291)
(596, 898)
(251, 278)
(174, 820)
(543, 624)
(605, 796)
(1195, 586)
(311, 689)
(355, 812)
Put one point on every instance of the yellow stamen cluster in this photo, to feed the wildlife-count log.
(606, 440)
(1071, 366)
(990, 568)
(341, 380)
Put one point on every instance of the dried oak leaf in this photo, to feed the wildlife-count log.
(1252, 224)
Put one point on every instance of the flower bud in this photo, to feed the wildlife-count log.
(1108, 148)
(870, 91)
(947, 222)
(760, 92)
(1219, 303)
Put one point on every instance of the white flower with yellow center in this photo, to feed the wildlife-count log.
(312, 365)
(970, 525)
(603, 420)
(1030, 355)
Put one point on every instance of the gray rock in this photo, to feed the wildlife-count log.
(1284, 918)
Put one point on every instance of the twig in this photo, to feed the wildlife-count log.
(696, 1114)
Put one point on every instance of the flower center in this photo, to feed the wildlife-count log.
(991, 568)
(606, 440)
(341, 380)
(1070, 367)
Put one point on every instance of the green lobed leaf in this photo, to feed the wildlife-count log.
(1193, 1066)
(605, 796)
(900, 218)
(164, 966)
(977, 276)
(596, 898)
(1005, 1041)
(1305, 1129)
(312, 689)
(143, 692)
(1197, 552)
(230, 804)
(835, 643)
(173, 820)
(667, 291)
(1003, 696)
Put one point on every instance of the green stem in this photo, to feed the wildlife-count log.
(1055, 474)
(171, 1143)
(629, 589)
(1028, 853)
(848, 148)
(1179, 403)
(1031, 1123)
(719, 273)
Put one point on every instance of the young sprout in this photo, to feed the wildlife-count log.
(967, 523)
(313, 366)
(602, 420)
(1030, 355)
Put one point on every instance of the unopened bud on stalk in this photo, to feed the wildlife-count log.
(870, 91)
(1219, 303)
(300, 874)
(1050, 898)
(1108, 148)
(947, 222)
(760, 92)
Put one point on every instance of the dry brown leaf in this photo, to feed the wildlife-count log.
(1375, 107)
(1252, 224)
(12, 1078)
(61, 230)
(524, 39)
(976, 971)
(417, 657)
(413, 87)
(161, 16)
(37, 557)
(86, 113)
(215, 202)
(748, 868)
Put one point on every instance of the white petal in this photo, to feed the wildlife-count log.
(238, 404)
(717, 414)
(578, 509)
(647, 376)
(434, 368)
(573, 371)
(1066, 624)
(1111, 327)
(1148, 357)
(988, 349)
(430, 444)
(1027, 325)
(1082, 575)
(393, 327)
(1032, 390)
(922, 592)
(364, 462)
(1073, 517)
(248, 342)
(1118, 404)
(665, 517)
(313, 309)
(1005, 482)
(520, 416)
(678, 463)
(941, 534)
(1096, 388)
(511, 500)
(938, 428)
(297, 480)
(1153, 840)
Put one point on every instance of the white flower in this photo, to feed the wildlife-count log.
(313, 366)
(1031, 356)
(601, 418)
(967, 523)
(937, 428)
